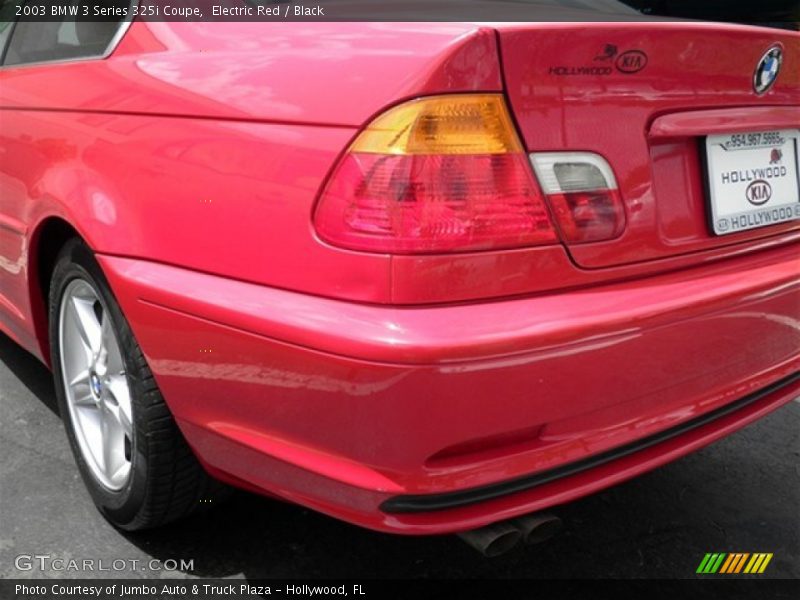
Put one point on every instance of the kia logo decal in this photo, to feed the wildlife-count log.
(758, 192)
(631, 61)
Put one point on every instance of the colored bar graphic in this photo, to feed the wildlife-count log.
(703, 564)
(727, 564)
(755, 562)
(741, 562)
(730, 564)
(711, 563)
(734, 563)
(764, 564)
(718, 563)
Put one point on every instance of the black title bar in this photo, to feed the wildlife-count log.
(784, 13)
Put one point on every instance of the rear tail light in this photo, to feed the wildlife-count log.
(439, 174)
(583, 195)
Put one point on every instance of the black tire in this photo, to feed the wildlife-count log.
(166, 481)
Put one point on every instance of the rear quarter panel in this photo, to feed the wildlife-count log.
(204, 145)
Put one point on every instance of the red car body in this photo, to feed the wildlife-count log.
(410, 393)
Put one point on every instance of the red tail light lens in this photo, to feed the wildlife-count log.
(583, 195)
(432, 203)
(588, 216)
(441, 174)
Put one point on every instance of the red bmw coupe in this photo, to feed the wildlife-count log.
(423, 277)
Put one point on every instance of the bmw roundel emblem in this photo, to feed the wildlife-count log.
(767, 69)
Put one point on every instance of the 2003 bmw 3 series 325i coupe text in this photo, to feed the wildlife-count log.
(420, 277)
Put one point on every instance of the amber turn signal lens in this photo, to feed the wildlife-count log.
(453, 124)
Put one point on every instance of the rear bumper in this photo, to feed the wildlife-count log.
(382, 416)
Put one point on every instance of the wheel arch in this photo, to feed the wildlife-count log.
(46, 241)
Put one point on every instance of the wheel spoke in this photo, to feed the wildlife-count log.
(81, 389)
(114, 461)
(76, 353)
(107, 446)
(91, 425)
(82, 378)
(121, 419)
(121, 403)
(88, 326)
(113, 356)
(122, 471)
(84, 399)
(126, 423)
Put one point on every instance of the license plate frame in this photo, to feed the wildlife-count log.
(752, 180)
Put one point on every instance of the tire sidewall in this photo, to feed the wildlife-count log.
(77, 262)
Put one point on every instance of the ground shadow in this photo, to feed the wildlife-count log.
(30, 371)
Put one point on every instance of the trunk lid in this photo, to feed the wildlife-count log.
(645, 96)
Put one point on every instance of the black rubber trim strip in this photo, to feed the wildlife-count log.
(433, 502)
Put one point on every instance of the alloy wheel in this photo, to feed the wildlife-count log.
(96, 386)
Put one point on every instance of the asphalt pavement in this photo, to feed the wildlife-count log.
(739, 495)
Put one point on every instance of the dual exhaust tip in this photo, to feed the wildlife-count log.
(498, 538)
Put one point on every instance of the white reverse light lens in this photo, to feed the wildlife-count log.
(560, 172)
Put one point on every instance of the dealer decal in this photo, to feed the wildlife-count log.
(608, 60)
(744, 175)
(631, 61)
